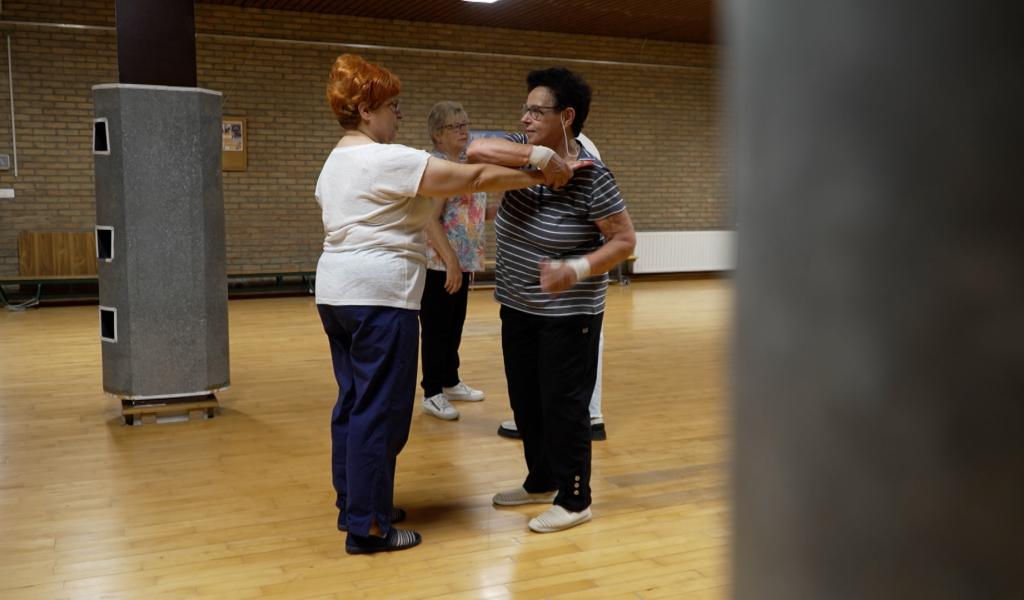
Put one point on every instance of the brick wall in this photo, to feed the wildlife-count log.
(656, 121)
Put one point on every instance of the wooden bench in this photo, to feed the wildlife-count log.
(39, 282)
(306, 279)
(51, 257)
(57, 253)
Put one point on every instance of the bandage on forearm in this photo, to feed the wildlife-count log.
(540, 156)
(582, 267)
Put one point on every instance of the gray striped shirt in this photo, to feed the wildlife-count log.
(538, 223)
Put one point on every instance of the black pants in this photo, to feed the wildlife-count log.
(442, 316)
(551, 367)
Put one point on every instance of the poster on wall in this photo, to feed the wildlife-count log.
(233, 150)
(233, 136)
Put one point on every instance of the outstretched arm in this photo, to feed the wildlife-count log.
(500, 151)
(444, 178)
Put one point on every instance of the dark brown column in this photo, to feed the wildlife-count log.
(156, 42)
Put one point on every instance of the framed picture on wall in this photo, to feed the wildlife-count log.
(233, 144)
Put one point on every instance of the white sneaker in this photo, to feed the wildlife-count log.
(519, 495)
(558, 518)
(463, 392)
(438, 406)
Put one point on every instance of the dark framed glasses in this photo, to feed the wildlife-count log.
(536, 112)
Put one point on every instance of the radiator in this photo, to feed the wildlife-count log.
(681, 251)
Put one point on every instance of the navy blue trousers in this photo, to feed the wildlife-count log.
(373, 349)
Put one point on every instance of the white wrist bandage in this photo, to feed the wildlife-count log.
(540, 156)
(582, 267)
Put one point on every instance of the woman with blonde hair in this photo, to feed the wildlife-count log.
(455, 249)
(369, 283)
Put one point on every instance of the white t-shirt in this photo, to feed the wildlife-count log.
(589, 145)
(374, 241)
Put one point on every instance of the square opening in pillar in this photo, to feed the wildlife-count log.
(108, 324)
(100, 141)
(105, 243)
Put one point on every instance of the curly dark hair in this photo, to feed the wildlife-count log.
(569, 88)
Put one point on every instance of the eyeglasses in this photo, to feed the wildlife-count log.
(394, 106)
(536, 112)
(460, 127)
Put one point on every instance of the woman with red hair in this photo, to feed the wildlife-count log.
(374, 196)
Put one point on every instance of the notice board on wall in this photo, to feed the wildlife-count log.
(234, 154)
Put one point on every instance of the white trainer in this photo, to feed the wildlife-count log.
(463, 392)
(438, 406)
(519, 495)
(558, 518)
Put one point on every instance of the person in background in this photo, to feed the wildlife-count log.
(369, 281)
(455, 248)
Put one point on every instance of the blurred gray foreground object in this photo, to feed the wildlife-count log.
(879, 350)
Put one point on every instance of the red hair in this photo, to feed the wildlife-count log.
(352, 82)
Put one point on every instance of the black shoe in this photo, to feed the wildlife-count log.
(597, 432)
(396, 539)
(397, 516)
(508, 430)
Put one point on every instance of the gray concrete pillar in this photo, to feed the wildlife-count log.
(879, 347)
(160, 241)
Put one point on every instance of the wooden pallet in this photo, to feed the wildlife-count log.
(147, 411)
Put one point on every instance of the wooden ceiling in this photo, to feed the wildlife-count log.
(665, 20)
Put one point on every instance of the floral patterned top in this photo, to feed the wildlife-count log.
(463, 220)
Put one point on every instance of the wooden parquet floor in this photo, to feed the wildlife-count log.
(240, 506)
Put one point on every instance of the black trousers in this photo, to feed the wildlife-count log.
(442, 316)
(551, 367)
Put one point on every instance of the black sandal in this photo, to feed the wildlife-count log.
(396, 539)
(397, 516)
